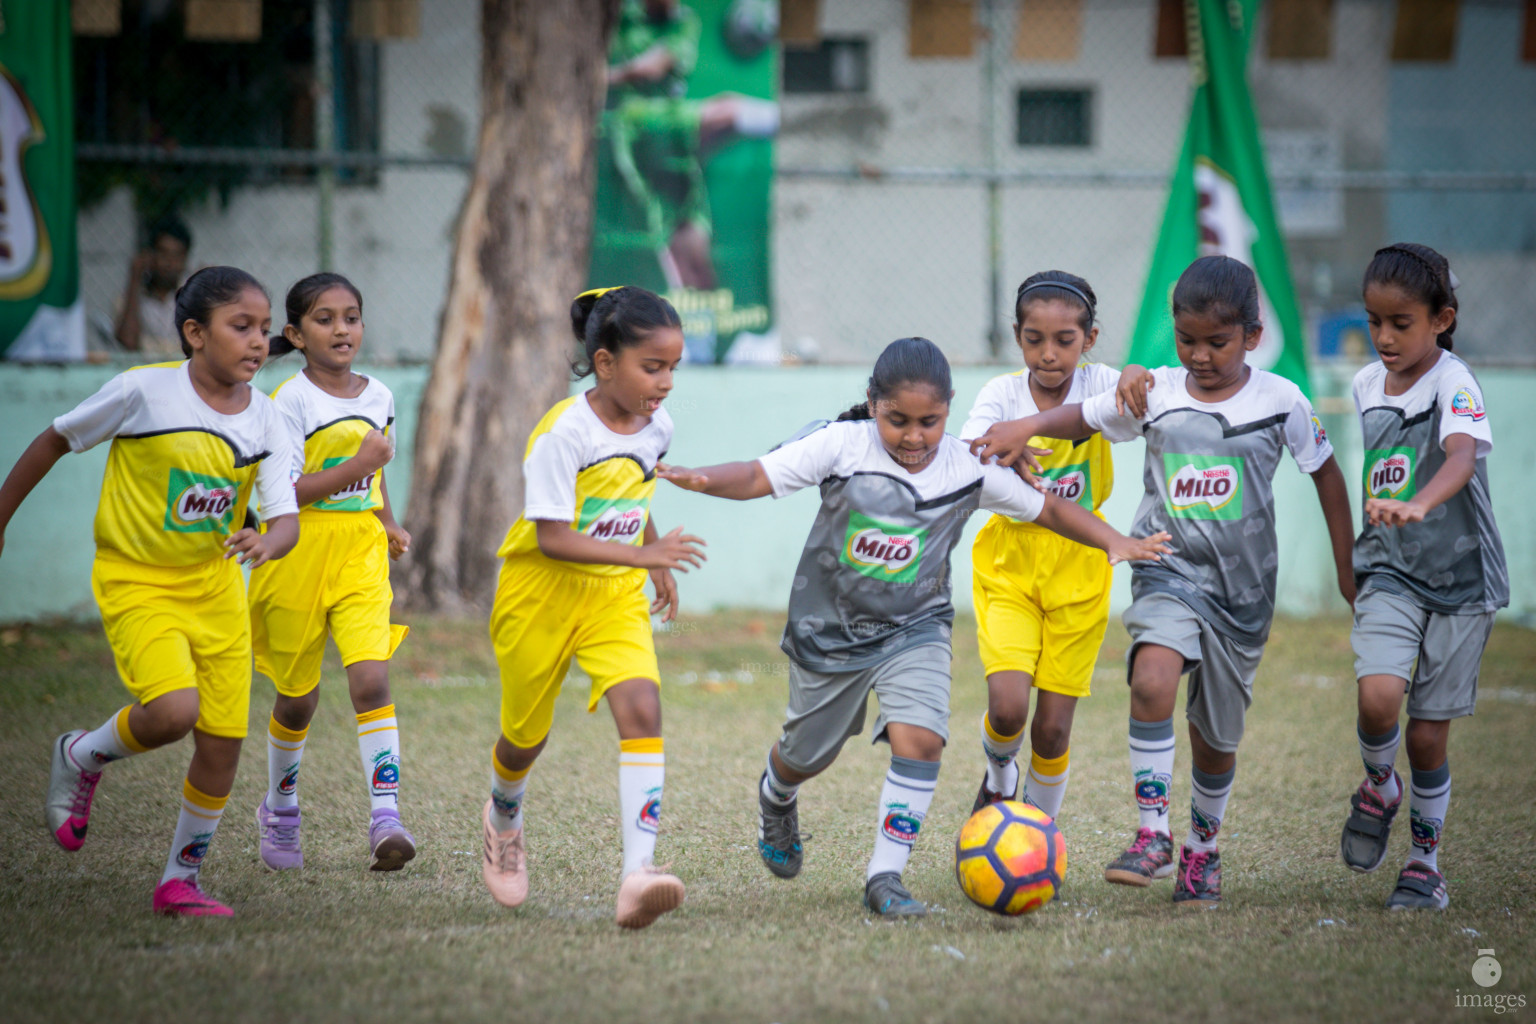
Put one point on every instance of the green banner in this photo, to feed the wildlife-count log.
(1219, 199)
(685, 165)
(41, 316)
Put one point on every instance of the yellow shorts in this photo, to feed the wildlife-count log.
(1042, 603)
(543, 616)
(180, 628)
(336, 580)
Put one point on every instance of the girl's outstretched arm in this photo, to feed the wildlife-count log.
(740, 481)
(1460, 464)
(1007, 442)
(1074, 522)
(1333, 495)
(676, 550)
(46, 449)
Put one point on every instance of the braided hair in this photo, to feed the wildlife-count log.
(1422, 273)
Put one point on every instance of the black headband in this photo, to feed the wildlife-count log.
(1434, 271)
(1064, 286)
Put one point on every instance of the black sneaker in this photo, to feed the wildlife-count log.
(1150, 856)
(1419, 887)
(1364, 842)
(778, 834)
(985, 796)
(1198, 883)
(886, 896)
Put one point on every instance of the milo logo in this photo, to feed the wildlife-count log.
(352, 498)
(881, 550)
(1071, 483)
(196, 503)
(621, 520)
(1204, 486)
(1389, 473)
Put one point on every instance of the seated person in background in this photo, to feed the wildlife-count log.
(146, 320)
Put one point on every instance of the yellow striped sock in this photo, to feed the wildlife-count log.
(125, 734)
(507, 774)
(198, 801)
(1047, 768)
(647, 745)
(376, 715)
(997, 737)
(282, 734)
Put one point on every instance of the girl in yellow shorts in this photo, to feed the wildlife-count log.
(190, 440)
(572, 585)
(341, 429)
(1042, 601)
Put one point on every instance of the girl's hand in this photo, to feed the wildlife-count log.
(251, 547)
(375, 451)
(399, 540)
(1140, 549)
(676, 550)
(682, 476)
(1007, 443)
(666, 594)
(1131, 392)
(1391, 512)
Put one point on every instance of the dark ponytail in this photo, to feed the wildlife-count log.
(1057, 286)
(905, 361)
(301, 299)
(608, 319)
(1422, 273)
(207, 290)
(1221, 287)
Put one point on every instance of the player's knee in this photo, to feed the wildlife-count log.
(1426, 743)
(172, 716)
(1007, 718)
(1049, 737)
(296, 712)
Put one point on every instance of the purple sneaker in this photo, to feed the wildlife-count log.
(279, 831)
(391, 844)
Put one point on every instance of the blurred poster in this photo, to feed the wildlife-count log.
(41, 316)
(685, 165)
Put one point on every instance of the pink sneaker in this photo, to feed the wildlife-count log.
(503, 864)
(68, 806)
(180, 897)
(645, 895)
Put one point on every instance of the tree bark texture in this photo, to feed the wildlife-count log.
(520, 254)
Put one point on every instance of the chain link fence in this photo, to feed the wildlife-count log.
(914, 189)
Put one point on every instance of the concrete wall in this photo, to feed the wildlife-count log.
(724, 414)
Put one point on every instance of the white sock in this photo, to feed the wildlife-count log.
(110, 741)
(200, 814)
(1152, 771)
(507, 789)
(904, 801)
(1207, 806)
(1002, 758)
(775, 790)
(1378, 753)
(378, 741)
(1426, 813)
(642, 770)
(285, 749)
(1046, 783)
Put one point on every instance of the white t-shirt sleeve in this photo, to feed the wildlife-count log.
(549, 479)
(990, 407)
(1462, 411)
(276, 475)
(100, 417)
(1100, 414)
(290, 409)
(1304, 434)
(1098, 378)
(1003, 491)
(805, 462)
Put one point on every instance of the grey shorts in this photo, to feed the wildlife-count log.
(1438, 654)
(1221, 670)
(827, 708)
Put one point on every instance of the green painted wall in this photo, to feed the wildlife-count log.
(725, 413)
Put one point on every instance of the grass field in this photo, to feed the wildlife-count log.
(1299, 936)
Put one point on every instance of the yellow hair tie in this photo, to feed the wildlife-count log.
(598, 293)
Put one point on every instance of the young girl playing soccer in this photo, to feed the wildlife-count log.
(1215, 429)
(190, 440)
(1429, 561)
(336, 581)
(870, 608)
(1042, 601)
(572, 584)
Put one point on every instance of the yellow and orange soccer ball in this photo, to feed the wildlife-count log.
(1010, 858)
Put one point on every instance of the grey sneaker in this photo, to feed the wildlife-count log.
(1199, 879)
(390, 843)
(886, 896)
(67, 808)
(279, 836)
(1419, 887)
(1150, 856)
(1364, 842)
(778, 834)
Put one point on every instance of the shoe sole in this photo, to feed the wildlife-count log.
(392, 853)
(661, 898)
(1198, 904)
(1122, 876)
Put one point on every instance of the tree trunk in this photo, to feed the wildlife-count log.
(520, 255)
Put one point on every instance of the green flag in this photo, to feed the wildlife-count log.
(1219, 201)
(40, 312)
